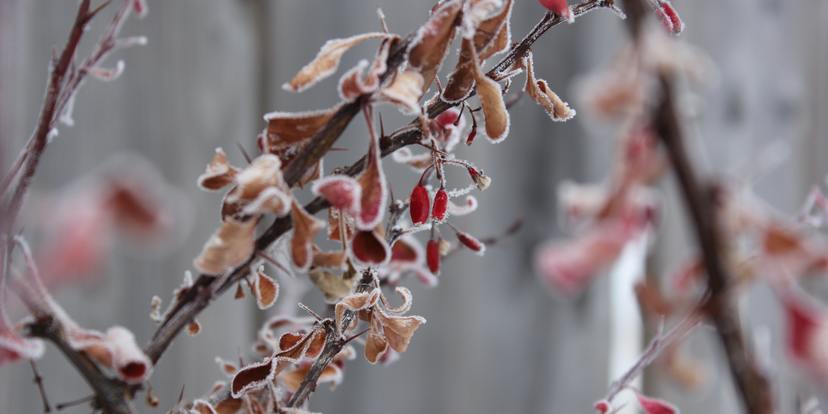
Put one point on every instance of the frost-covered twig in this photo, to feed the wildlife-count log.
(661, 341)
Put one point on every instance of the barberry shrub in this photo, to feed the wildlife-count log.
(359, 245)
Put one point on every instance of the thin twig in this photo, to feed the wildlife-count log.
(75, 402)
(38, 380)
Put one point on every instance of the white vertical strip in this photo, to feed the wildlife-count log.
(626, 328)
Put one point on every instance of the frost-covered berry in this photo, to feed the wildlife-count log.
(438, 212)
(559, 7)
(433, 256)
(419, 205)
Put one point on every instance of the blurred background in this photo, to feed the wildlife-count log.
(497, 340)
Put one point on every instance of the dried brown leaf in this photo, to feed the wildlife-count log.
(539, 91)
(267, 290)
(370, 248)
(404, 91)
(494, 109)
(219, 172)
(305, 227)
(374, 194)
(326, 61)
(227, 248)
(285, 129)
(431, 43)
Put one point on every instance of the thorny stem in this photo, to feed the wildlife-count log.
(333, 345)
(700, 202)
(206, 288)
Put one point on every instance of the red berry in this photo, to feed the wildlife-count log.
(559, 7)
(440, 205)
(419, 205)
(669, 17)
(433, 256)
(471, 242)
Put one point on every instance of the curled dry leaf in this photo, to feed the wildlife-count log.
(218, 174)
(370, 248)
(475, 12)
(263, 173)
(293, 347)
(492, 36)
(341, 191)
(358, 81)
(461, 80)
(354, 302)
(404, 91)
(305, 227)
(431, 43)
(326, 61)
(292, 379)
(398, 330)
(285, 129)
(494, 109)
(374, 197)
(253, 376)
(203, 407)
(539, 91)
(267, 290)
(408, 301)
(227, 248)
(332, 285)
(271, 200)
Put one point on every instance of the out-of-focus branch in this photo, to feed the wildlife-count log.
(700, 202)
(110, 394)
(701, 205)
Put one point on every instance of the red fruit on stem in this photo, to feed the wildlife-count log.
(559, 7)
(471, 242)
(669, 17)
(418, 206)
(433, 256)
(438, 212)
